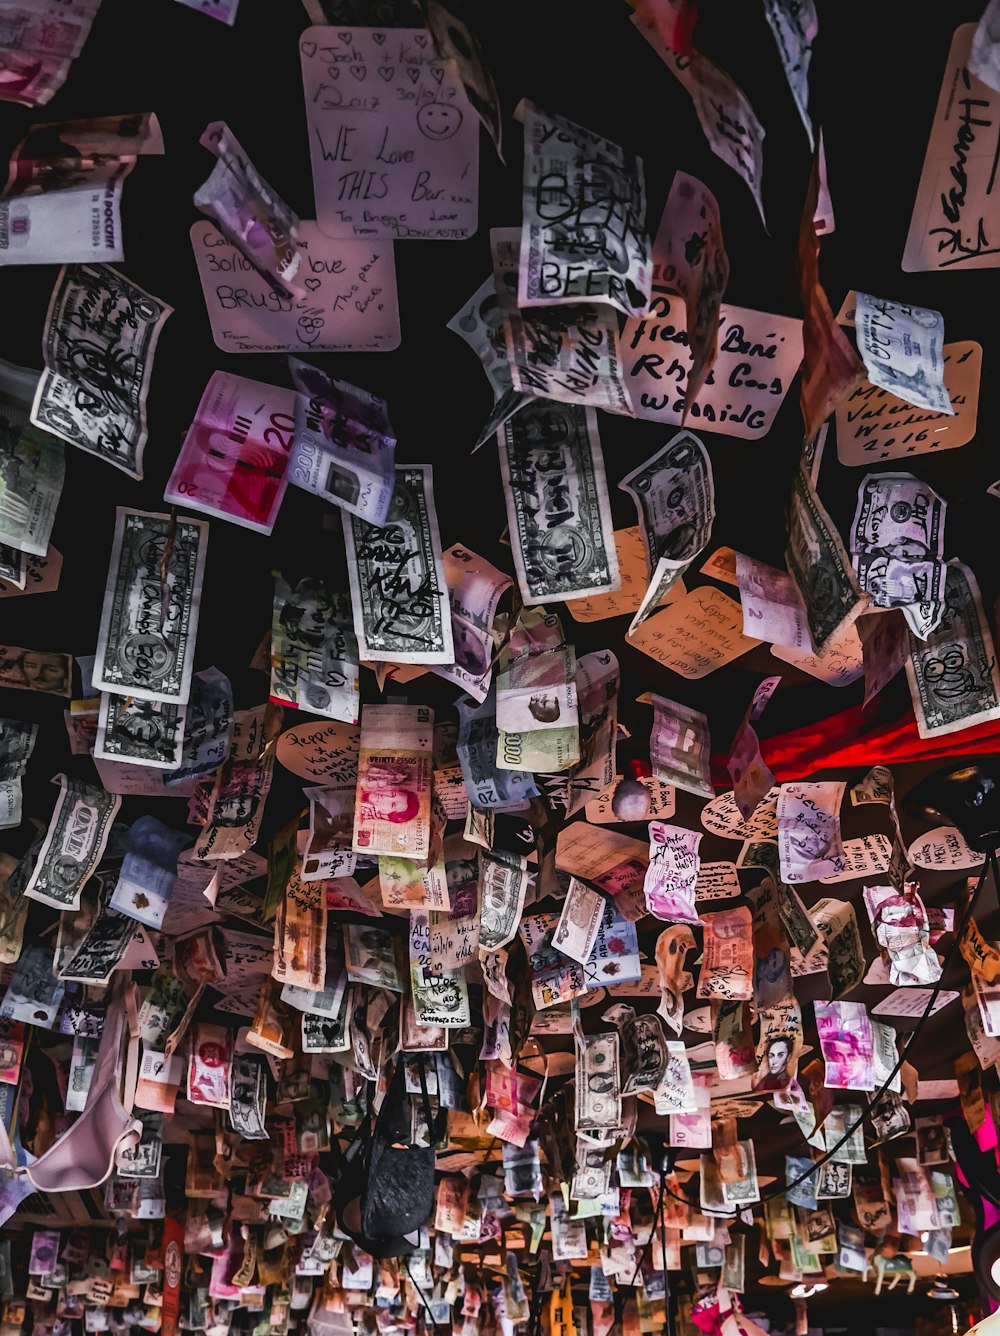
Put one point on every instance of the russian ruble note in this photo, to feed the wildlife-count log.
(236, 804)
(249, 212)
(488, 785)
(440, 997)
(819, 565)
(344, 447)
(74, 843)
(503, 886)
(97, 401)
(809, 843)
(953, 675)
(140, 732)
(903, 351)
(897, 546)
(210, 1065)
(234, 460)
(395, 770)
(32, 465)
(145, 647)
(314, 651)
(398, 590)
(680, 747)
(598, 1082)
(17, 742)
(62, 201)
(567, 353)
(300, 935)
(674, 494)
(475, 588)
(557, 503)
(585, 239)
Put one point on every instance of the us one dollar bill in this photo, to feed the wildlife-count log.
(557, 503)
(236, 805)
(17, 742)
(33, 466)
(314, 651)
(953, 676)
(598, 1082)
(140, 732)
(819, 565)
(601, 187)
(897, 544)
(398, 589)
(149, 623)
(503, 885)
(100, 335)
(248, 1096)
(74, 843)
(674, 494)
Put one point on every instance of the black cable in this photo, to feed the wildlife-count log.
(989, 866)
(423, 1300)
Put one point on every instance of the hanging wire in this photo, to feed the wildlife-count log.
(990, 865)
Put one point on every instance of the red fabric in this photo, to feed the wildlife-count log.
(850, 740)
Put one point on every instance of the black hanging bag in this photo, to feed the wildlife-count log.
(386, 1186)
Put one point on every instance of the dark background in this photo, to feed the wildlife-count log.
(875, 78)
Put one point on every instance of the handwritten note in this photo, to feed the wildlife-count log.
(874, 424)
(697, 634)
(759, 355)
(321, 752)
(393, 139)
(954, 223)
(350, 304)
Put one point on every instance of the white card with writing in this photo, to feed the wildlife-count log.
(700, 632)
(874, 424)
(350, 304)
(759, 355)
(393, 139)
(954, 223)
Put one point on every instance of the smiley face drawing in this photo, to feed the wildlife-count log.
(438, 120)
